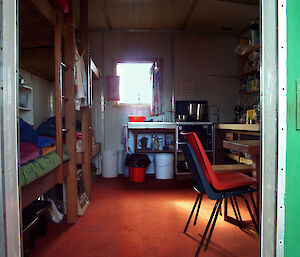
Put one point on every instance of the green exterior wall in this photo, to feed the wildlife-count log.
(292, 197)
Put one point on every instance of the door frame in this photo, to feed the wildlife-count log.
(273, 94)
(10, 196)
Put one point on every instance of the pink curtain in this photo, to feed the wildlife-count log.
(156, 84)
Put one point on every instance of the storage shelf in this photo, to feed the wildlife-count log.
(246, 73)
(237, 158)
(96, 148)
(249, 92)
(154, 151)
(207, 151)
(24, 109)
(252, 49)
(25, 86)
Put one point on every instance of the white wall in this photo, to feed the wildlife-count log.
(43, 97)
(206, 68)
(208, 61)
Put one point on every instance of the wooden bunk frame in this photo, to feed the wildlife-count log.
(40, 16)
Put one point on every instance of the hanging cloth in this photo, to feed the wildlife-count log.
(155, 81)
(85, 82)
(79, 80)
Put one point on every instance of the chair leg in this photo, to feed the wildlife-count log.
(213, 225)
(250, 211)
(254, 205)
(237, 208)
(234, 209)
(207, 227)
(199, 203)
(188, 222)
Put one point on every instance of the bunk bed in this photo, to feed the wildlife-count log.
(47, 34)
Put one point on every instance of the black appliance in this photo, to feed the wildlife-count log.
(184, 108)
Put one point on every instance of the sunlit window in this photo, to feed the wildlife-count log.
(135, 85)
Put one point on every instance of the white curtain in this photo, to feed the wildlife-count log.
(156, 84)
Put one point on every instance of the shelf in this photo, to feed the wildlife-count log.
(24, 109)
(207, 151)
(96, 148)
(24, 86)
(246, 73)
(236, 158)
(252, 49)
(154, 151)
(249, 92)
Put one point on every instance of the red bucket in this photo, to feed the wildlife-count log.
(137, 174)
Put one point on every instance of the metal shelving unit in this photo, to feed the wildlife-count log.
(209, 141)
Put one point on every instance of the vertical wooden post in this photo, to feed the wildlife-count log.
(86, 122)
(70, 121)
(58, 107)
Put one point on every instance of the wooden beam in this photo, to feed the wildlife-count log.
(36, 44)
(69, 54)
(189, 14)
(45, 9)
(35, 189)
(106, 13)
(85, 113)
(57, 83)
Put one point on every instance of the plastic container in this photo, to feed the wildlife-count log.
(109, 164)
(164, 166)
(137, 174)
(135, 118)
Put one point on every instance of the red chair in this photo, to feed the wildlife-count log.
(216, 186)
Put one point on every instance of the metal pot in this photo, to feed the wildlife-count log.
(192, 110)
(200, 112)
(182, 117)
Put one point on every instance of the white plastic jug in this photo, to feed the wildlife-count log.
(110, 164)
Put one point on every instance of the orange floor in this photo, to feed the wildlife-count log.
(142, 220)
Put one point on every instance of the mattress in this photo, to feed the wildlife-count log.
(40, 167)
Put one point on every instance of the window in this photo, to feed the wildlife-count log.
(135, 84)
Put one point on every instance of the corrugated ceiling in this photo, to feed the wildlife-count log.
(200, 15)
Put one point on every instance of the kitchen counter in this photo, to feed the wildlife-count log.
(151, 125)
(244, 127)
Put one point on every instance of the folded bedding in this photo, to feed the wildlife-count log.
(41, 166)
(28, 152)
(48, 149)
(44, 141)
(38, 168)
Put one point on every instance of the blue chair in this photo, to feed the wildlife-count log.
(202, 186)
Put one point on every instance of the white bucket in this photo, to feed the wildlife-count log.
(164, 163)
(109, 164)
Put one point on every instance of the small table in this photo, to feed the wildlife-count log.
(246, 146)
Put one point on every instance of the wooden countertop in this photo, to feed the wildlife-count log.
(245, 146)
(246, 127)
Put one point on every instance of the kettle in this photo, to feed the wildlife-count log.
(143, 142)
